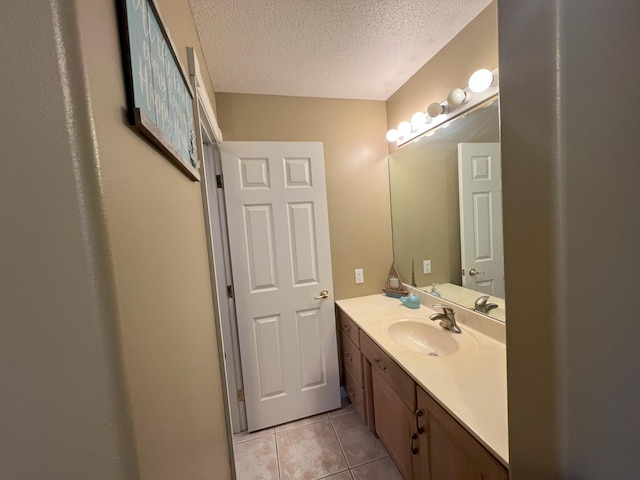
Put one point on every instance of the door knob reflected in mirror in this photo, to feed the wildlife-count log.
(473, 271)
(323, 294)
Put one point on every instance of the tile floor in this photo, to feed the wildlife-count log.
(330, 446)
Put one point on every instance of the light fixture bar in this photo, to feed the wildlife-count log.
(469, 99)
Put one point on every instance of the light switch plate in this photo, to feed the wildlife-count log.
(359, 275)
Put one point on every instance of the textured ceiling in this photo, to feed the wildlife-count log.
(360, 49)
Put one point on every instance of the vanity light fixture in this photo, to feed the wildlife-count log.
(434, 109)
(481, 80)
(457, 97)
(404, 128)
(483, 84)
(418, 119)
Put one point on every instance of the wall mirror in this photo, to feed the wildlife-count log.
(451, 217)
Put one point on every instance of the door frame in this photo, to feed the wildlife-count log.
(208, 136)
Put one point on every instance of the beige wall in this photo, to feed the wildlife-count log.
(571, 209)
(353, 133)
(475, 47)
(156, 233)
(63, 406)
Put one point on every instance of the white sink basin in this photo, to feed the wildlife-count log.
(419, 335)
(422, 338)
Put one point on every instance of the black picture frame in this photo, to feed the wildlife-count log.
(160, 100)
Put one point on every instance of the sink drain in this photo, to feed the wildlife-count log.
(433, 354)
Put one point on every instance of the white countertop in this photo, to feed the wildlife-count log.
(470, 384)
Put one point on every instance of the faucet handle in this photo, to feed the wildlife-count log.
(481, 302)
(445, 309)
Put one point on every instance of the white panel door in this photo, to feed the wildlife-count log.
(480, 187)
(281, 261)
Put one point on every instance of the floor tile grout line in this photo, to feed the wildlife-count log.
(370, 461)
(340, 444)
(275, 440)
(235, 442)
(346, 462)
(345, 455)
(253, 438)
(300, 426)
(332, 474)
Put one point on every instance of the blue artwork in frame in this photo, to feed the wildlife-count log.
(159, 97)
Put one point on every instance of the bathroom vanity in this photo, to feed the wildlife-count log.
(437, 400)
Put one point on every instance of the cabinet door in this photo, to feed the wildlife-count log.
(453, 454)
(356, 395)
(351, 357)
(394, 424)
(348, 326)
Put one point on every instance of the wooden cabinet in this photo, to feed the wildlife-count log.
(422, 438)
(393, 396)
(349, 327)
(352, 364)
(449, 451)
(394, 424)
(389, 370)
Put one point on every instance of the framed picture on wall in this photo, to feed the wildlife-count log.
(160, 100)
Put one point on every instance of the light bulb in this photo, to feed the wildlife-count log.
(457, 97)
(480, 80)
(418, 119)
(404, 128)
(434, 109)
(392, 135)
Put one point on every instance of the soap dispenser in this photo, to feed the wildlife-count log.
(434, 292)
(410, 301)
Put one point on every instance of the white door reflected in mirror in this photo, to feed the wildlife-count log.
(480, 188)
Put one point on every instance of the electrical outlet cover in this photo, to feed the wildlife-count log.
(426, 266)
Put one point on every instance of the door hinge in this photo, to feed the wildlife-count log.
(219, 183)
(230, 292)
(241, 395)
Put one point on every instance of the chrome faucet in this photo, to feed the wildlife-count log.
(447, 318)
(482, 306)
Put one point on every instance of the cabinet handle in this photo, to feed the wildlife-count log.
(414, 450)
(349, 391)
(348, 355)
(346, 327)
(379, 364)
(417, 414)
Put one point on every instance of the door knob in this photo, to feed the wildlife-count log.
(323, 294)
(473, 271)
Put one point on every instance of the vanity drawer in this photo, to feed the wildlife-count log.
(351, 358)
(355, 393)
(349, 327)
(389, 370)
